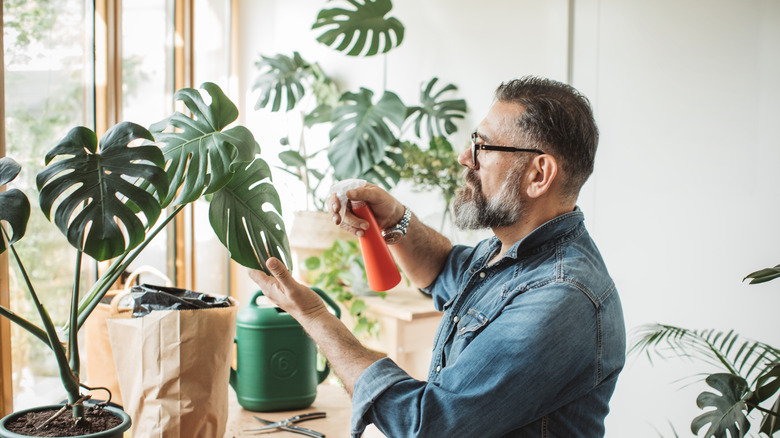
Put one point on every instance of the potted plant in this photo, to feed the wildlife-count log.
(750, 381)
(366, 129)
(106, 197)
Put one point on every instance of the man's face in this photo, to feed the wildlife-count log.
(492, 193)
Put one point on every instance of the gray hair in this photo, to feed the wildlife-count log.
(557, 119)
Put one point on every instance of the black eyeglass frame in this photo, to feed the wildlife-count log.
(475, 147)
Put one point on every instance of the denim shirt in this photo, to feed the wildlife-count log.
(530, 346)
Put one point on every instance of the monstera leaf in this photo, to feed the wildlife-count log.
(14, 205)
(238, 214)
(437, 114)
(386, 173)
(355, 26)
(360, 134)
(201, 154)
(729, 406)
(93, 184)
(281, 77)
(767, 385)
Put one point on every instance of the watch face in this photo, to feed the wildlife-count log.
(393, 236)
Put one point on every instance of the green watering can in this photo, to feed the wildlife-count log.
(276, 360)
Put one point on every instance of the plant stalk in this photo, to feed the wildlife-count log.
(24, 323)
(69, 381)
(120, 264)
(73, 335)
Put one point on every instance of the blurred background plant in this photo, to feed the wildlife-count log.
(751, 380)
(433, 169)
(366, 135)
(340, 272)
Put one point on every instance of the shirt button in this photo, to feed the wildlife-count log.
(438, 368)
(482, 274)
(455, 319)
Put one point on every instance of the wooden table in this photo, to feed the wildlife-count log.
(330, 398)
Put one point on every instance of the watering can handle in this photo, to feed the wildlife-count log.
(328, 300)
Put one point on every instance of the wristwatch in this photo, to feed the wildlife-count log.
(396, 233)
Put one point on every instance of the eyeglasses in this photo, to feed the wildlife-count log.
(476, 147)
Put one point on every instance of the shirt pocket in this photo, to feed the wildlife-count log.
(471, 322)
(468, 326)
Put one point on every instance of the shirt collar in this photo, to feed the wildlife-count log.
(552, 232)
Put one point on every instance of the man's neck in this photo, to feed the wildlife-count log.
(511, 234)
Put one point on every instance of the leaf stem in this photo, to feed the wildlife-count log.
(120, 264)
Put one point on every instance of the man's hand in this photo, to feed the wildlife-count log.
(296, 299)
(387, 210)
(346, 354)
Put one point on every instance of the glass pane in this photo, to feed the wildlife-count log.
(211, 63)
(48, 63)
(211, 41)
(147, 85)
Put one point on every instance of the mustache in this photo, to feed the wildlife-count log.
(470, 176)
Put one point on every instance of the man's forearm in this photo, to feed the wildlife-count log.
(346, 355)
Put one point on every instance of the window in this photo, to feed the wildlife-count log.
(47, 60)
(83, 62)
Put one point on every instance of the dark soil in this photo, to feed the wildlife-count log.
(95, 420)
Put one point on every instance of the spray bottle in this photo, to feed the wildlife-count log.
(381, 269)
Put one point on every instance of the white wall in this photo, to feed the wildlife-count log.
(682, 201)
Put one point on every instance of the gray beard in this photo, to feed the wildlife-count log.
(475, 212)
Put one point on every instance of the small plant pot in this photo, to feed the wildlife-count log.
(115, 432)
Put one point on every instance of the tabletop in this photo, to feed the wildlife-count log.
(331, 399)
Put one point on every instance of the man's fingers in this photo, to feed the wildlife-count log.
(277, 268)
(258, 276)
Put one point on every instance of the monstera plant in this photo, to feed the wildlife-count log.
(750, 381)
(366, 128)
(106, 197)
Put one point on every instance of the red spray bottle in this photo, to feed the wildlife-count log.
(381, 269)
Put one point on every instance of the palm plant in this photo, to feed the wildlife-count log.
(750, 381)
(106, 197)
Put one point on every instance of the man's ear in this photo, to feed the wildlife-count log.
(542, 171)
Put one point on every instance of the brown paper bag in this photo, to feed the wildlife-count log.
(100, 361)
(99, 357)
(173, 368)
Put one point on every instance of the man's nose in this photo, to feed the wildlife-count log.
(466, 160)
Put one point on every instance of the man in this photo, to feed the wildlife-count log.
(532, 337)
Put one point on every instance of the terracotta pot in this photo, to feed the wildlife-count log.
(115, 432)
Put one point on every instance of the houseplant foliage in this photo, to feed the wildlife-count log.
(362, 132)
(751, 380)
(106, 197)
(433, 169)
(436, 112)
(352, 28)
(341, 271)
(366, 131)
